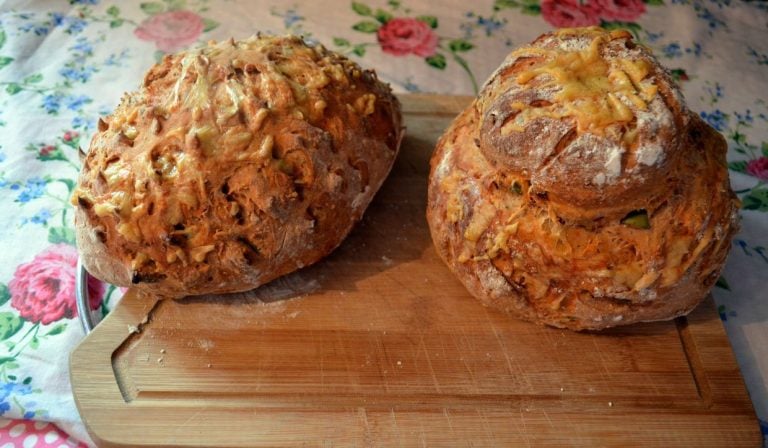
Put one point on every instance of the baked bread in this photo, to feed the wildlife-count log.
(579, 191)
(233, 165)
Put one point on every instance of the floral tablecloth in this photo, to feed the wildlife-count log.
(64, 63)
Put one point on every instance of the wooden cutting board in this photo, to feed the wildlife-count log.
(379, 345)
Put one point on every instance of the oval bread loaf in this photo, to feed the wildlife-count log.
(579, 191)
(233, 165)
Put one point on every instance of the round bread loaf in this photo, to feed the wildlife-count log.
(578, 190)
(233, 165)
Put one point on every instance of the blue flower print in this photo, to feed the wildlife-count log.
(744, 119)
(2, 156)
(57, 18)
(80, 122)
(652, 37)
(705, 14)
(33, 189)
(76, 25)
(672, 50)
(76, 102)
(490, 25)
(82, 45)
(115, 59)
(71, 24)
(759, 58)
(716, 119)
(52, 103)
(291, 17)
(696, 50)
(41, 217)
(82, 74)
(8, 389)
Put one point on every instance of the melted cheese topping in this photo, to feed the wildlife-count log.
(597, 92)
(217, 109)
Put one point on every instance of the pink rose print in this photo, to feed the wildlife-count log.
(569, 13)
(172, 30)
(404, 35)
(758, 168)
(43, 290)
(624, 10)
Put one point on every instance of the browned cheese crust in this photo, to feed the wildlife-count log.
(578, 190)
(233, 165)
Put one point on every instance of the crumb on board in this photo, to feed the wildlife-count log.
(132, 329)
(162, 350)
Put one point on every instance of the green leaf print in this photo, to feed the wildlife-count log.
(531, 9)
(722, 283)
(174, 5)
(366, 26)
(2, 37)
(757, 199)
(5, 295)
(61, 235)
(340, 42)
(13, 88)
(383, 16)
(68, 182)
(209, 25)
(152, 8)
(5, 60)
(359, 50)
(629, 26)
(362, 9)
(55, 154)
(505, 4)
(113, 11)
(740, 166)
(57, 329)
(33, 79)
(10, 324)
(764, 148)
(437, 61)
(7, 360)
(429, 20)
(460, 45)
(654, 2)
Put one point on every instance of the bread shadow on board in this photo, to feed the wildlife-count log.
(393, 231)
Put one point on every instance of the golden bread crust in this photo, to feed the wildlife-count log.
(520, 218)
(233, 165)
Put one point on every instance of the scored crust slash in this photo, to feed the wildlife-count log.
(233, 165)
(579, 191)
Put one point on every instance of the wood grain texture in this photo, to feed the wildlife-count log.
(379, 345)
